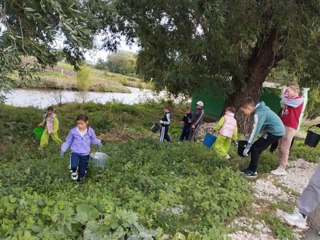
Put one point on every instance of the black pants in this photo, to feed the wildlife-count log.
(164, 135)
(185, 133)
(258, 147)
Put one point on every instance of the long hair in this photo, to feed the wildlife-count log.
(83, 117)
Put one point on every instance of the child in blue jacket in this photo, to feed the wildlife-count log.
(79, 140)
(264, 118)
(186, 125)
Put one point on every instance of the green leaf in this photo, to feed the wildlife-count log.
(86, 212)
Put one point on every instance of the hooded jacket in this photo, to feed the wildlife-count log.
(80, 144)
(265, 118)
(227, 126)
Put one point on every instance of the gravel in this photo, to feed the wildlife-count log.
(270, 190)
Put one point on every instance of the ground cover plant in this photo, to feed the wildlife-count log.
(148, 190)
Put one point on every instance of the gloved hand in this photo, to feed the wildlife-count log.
(160, 121)
(61, 154)
(246, 150)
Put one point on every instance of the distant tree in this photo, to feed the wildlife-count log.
(122, 62)
(83, 77)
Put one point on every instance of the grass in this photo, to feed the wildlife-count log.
(63, 77)
(280, 230)
(134, 194)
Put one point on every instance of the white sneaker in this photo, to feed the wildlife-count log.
(296, 219)
(74, 176)
(280, 171)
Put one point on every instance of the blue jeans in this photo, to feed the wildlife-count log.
(80, 161)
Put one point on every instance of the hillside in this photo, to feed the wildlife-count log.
(62, 76)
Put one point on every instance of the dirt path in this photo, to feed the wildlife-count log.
(269, 192)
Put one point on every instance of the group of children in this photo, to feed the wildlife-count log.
(79, 141)
(275, 129)
(191, 123)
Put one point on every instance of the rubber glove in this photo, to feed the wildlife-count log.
(61, 154)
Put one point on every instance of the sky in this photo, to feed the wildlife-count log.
(93, 55)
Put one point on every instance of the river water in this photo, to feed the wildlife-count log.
(44, 98)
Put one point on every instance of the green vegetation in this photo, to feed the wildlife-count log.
(281, 230)
(62, 76)
(83, 75)
(146, 189)
(120, 62)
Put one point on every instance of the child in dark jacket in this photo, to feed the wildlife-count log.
(196, 120)
(186, 125)
(165, 123)
(79, 140)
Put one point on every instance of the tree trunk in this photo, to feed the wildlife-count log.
(259, 65)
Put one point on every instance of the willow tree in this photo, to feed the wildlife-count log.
(232, 44)
(31, 28)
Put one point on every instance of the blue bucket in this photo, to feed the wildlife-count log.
(209, 140)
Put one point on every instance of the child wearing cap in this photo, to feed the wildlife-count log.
(196, 121)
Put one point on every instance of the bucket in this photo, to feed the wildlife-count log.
(209, 140)
(38, 131)
(99, 158)
(155, 127)
(241, 146)
(312, 138)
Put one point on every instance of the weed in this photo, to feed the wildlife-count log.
(279, 229)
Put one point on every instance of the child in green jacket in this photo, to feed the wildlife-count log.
(264, 119)
(51, 125)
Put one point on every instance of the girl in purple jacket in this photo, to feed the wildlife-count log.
(79, 140)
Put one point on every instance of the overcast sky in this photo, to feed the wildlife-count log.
(92, 56)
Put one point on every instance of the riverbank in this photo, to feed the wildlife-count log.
(171, 191)
(63, 77)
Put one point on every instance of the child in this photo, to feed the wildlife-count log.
(196, 120)
(51, 125)
(227, 131)
(165, 122)
(264, 118)
(79, 140)
(292, 104)
(186, 125)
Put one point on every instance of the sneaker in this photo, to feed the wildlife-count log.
(280, 171)
(296, 219)
(74, 176)
(248, 173)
